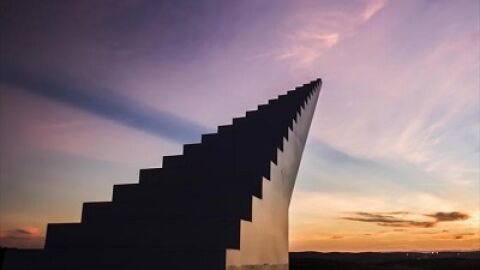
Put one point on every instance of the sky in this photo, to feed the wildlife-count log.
(93, 91)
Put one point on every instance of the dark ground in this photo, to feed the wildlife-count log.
(377, 261)
(385, 261)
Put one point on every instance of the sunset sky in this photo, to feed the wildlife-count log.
(93, 91)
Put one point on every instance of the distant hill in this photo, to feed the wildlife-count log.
(385, 261)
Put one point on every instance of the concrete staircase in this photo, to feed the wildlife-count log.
(186, 214)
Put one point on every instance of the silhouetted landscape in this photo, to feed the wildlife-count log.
(385, 261)
(366, 260)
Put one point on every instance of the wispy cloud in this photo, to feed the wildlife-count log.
(324, 30)
(24, 237)
(27, 231)
(397, 219)
(309, 46)
(372, 8)
(463, 236)
(448, 216)
(326, 39)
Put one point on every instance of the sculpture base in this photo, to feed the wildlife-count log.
(259, 267)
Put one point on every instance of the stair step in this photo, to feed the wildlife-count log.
(208, 138)
(239, 121)
(204, 234)
(152, 175)
(188, 149)
(176, 161)
(120, 189)
(225, 128)
(200, 190)
(122, 211)
(251, 114)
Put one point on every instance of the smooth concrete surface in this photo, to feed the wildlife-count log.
(264, 240)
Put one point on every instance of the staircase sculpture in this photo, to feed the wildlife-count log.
(222, 204)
